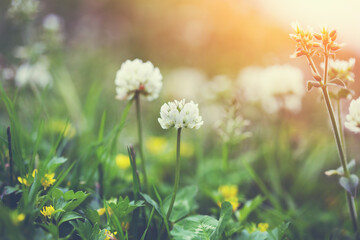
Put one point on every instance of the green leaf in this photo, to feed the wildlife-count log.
(68, 216)
(279, 232)
(87, 231)
(78, 198)
(69, 195)
(257, 235)
(340, 171)
(56, 194)
(148, 224)
(54, 163)
(92, 215)
(350, 184)
(248, 208)
(198, 227)
(152, 202)
(225, 215)
(184, 203)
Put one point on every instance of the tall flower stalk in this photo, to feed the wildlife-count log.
(310, 44)
(179, 114)
(133, 79)
(140, 137)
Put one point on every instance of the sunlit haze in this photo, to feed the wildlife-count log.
(341, 15)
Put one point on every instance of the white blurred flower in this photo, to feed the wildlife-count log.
(139, 76)
(341, 69)
(353, 118)
(220, 86)
(23, 8)
(37, 74)
(185, 83)
(179, 114)
(274, 87)
(51, 23)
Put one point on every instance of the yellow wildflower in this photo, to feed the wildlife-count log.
(122, 161)
(47, 211)
(48, 180)
(156, 145)
(34, 173)
(263, 227)
(109, 235)
(101, 211)
(20, 217)
(125, 226)
(23, 181)
(60, 126)
(228, 191)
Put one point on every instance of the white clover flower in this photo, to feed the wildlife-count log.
(51, 23)
(138, 76)
(179, 114)
(353, 118)
(37, 74)
(274, 87)
(341, 69)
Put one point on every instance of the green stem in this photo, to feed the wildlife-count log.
(177, 174)
(225, 155)
(350, 199)
(11, 163)
(142, 158)
(341, 129)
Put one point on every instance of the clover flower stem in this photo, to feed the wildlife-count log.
(350, 199)
(177, 174)
(140, 136)
(225, 155)
(10, 156)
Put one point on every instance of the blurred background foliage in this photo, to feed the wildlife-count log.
(192, 42)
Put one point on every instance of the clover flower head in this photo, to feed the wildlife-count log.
(138, 76)
(341, 69)
(353, 118)
(47, 211)
(275, 87)
(37, 74)
(179, 114)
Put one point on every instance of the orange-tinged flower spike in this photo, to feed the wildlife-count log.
(332, 33)
(317, 36)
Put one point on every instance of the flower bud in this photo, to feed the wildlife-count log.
(332, 33)
(317, 36)
(317, 77)
(335, 47)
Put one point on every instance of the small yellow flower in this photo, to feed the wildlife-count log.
(187, 149)
(156, 145)
(122, 161)
(101, 211)
(228, 191)
(109, 235)
(34, 173)
(20, 217)
(48, 180)
(125, 226)
(263, 227)
(23, 181)
(47, 211)
(60, 126)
